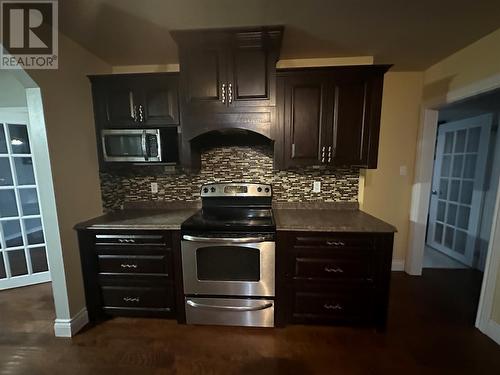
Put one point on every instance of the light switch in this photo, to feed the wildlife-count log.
(316, 186)
(154, 187)
(403, 170)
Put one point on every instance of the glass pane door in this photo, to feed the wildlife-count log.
(457, 191)
(23, 257)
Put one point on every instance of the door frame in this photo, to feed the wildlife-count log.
(421, 191)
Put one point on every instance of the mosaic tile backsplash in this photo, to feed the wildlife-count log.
(233, 164)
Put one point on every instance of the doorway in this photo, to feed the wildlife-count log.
(23, 256)
(480, 101)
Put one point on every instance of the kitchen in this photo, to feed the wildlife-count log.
(234, 260)
(242, 194)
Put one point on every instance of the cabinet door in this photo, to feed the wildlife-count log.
(350, 134)
(304, 120)
(119, 101)
(159, 100)
(204, 74)
(250, 71)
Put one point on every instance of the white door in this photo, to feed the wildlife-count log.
(458, 187)
(23, 258)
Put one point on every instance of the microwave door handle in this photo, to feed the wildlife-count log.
(143, 144)
(224, 239)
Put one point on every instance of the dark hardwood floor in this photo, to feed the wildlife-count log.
(430, 332)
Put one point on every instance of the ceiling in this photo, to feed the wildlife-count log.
(410, 34)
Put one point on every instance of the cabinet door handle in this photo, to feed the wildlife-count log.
(323, 154)
(337, 306)
(131, 299)
(127, 265)
(133, 109)
(141, 113)
(334, 270)
(223, 93)
(230, 93)
(335, 243)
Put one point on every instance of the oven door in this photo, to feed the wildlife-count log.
(131, 145)
(242, 266)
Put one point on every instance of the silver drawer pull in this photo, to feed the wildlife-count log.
(334, 270)
(126, 265)
(333, 307)
(335, 243)
(131, 299)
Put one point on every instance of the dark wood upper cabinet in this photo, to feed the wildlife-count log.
(227, 81)
(136, 100)
(329, 116)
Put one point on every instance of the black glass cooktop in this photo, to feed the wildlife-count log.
(231, 219)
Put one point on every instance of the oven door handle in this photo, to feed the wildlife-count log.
(230, 308)
(225, 239)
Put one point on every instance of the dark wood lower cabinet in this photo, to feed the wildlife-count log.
(130, 273)
(321, 278)
(333, 278)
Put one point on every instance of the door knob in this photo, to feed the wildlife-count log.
(434, 192)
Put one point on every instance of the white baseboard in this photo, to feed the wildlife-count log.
(493, 331)
(398, 265)
(70, 327)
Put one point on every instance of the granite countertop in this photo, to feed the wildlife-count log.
(143, 216)
(323, 217)
(327, 218)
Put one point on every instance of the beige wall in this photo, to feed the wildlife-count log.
(72, 147)
(455, 77)
(456, 74)
(383, 191)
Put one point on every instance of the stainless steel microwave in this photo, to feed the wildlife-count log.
(140, 145)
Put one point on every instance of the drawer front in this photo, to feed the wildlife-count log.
(135, 264)
(138, 297)
(335, 241)
(341, 305)
(132, 239)
(355, 267)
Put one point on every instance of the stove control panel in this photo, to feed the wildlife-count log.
(235, 189)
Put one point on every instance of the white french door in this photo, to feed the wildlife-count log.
(458, 187)
(23, 257)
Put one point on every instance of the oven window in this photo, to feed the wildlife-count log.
(228, 263)
(124, 145)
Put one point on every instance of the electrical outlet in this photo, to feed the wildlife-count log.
(316, 186)
(154, 187)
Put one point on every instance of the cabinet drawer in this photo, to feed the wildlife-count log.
(355, 304)
(138, 297)
(335, 241)
(135, 264)
(132, 239)
(354, 267)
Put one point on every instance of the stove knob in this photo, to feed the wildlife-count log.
(267, 190)
(212, 190)
(259, 189)
(205, 190)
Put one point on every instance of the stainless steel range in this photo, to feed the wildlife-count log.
(228, 257)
